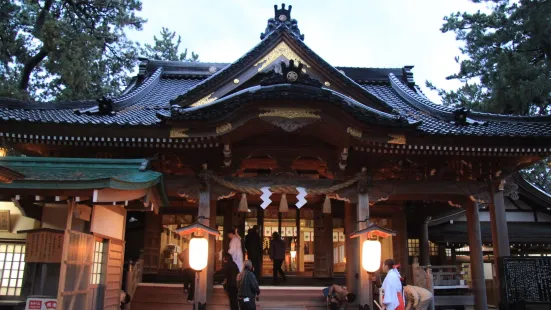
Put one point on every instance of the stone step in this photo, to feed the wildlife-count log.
(171, 296)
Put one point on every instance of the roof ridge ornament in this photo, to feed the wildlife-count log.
(282, 17)
(289, 74)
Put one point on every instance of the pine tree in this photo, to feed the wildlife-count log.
(167, 47)
(66, 49)
(505, 65)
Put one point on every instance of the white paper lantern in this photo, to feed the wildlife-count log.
(371, 255)
(198, 253)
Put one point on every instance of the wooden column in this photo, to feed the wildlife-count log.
(400, 242)
(212, 250)
(203, 214)
(365, 288)
(351, 248)
(454, 256)
(424, 247)
(500, 232)
(442, 254)
(475, 246)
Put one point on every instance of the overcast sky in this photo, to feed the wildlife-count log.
(355, 33)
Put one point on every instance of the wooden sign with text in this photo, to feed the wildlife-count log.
(44, 246)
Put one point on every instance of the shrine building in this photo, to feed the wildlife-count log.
(280, 139)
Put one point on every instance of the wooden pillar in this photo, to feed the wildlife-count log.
(500, 233)
(213, 255)
(227, 209)
(351, 248)
(442, 254)
(424, 247)
(365, 287)
(400, 242)
(203, 215)
(454, 256)
(475, 246)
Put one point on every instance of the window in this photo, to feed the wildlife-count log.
(433, 249)
(12, 266)
(413, 247)
(98, 262)
(448, 252)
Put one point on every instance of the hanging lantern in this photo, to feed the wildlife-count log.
(283, 206)
(243, 206)
(371, 255)
(327, 205)
(198, 253)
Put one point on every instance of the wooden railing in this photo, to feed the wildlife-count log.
(134, 273)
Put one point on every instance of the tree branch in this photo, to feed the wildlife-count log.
(29, 66)
(42, 16)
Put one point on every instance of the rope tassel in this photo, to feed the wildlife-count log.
(283, 206)
(243, 206)
(327, 205)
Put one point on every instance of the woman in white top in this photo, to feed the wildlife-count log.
(235, 250)
(391, 294)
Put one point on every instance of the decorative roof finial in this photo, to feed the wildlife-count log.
(282, 17)
(282, 14)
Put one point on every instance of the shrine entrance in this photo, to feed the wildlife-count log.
(314, 240)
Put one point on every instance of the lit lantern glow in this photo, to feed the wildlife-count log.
(198, 253)
(371, 255)
(293, 254)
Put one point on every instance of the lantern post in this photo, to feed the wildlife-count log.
(198, 251)
(371, 252)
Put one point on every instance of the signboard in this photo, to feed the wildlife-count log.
(526, 280)
(41, 304)
(5, 220)
(43, 246)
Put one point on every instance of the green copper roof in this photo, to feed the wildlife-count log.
(80, 173)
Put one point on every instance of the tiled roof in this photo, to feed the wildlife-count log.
(80, 173)
(439, 120)
(226, 105)
(135, 109)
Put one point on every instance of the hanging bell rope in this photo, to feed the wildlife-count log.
(243, 206)
(327, 205)
(283, 206)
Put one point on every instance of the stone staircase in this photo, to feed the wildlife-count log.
(170, 297)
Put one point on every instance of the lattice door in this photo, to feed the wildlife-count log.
(74, 284)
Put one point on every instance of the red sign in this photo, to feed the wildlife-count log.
(41, 304)
(35, 305)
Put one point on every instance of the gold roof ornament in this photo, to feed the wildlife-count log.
(290, 113)
(397, 139)
(354, 132)
(206, 100)
(179, 132)
(223, 128)
(282, 49)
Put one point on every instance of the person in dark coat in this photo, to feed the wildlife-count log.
(254, 249)
(230, 272)
(189, 283)
(277, 254)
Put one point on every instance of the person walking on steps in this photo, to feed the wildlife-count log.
(277, 254)
(230, 272)
(235, 250)
(254, 248)
(247, 287)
